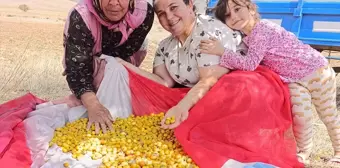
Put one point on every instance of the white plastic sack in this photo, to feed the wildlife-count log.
(113, 93)
(231, 163)
(115, 82)
(40, 125)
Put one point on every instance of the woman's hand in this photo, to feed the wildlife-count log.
(208, 77)
(100, 117)
(160, 76)
(179, 113)
(212, 46)
(97, 113)
(120, 60)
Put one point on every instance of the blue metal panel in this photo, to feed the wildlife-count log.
(323, 4)
(310, 36)
(212, 3)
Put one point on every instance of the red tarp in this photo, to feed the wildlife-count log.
(244, 117)
(13, 150)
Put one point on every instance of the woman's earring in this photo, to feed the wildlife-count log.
(132, 4)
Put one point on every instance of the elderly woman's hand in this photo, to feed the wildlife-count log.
(100, 117)
(179, 113)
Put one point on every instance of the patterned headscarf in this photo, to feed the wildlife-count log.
(100, 12)
(133, 18)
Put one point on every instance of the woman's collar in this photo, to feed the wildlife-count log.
(187, 40)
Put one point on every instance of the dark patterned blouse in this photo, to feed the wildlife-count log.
(79, 45)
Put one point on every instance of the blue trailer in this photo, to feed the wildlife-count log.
(315, 22)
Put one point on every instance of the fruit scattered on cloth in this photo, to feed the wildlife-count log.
(136, 141)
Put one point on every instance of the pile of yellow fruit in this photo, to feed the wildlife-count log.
(134, 142)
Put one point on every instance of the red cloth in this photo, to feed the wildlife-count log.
(245, 117)
(13, 149)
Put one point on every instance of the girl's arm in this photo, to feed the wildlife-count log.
(263, 37)
(244, 61)
(258, 41)
(236, 60)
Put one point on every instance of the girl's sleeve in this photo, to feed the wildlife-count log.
(258, 42)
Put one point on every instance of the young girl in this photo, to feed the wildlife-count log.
(311, 80)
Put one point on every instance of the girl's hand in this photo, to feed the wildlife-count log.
(179, 113)
(212, 46)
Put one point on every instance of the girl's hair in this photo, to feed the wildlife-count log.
(221, 9)
(185, 1)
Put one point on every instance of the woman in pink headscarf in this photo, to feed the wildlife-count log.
(116, 28)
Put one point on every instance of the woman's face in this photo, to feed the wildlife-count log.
(238, 16)
(115, 10)
(174, 15)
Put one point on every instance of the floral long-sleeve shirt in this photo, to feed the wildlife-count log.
(281, 51)
(79, 46)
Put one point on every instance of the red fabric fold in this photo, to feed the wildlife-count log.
(13, 149)
(246, 116)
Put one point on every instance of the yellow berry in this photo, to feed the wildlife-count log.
(170, 120)
(64, 150)
(66, 164)
(134, 142)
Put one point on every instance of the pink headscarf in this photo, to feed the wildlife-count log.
(130, 21)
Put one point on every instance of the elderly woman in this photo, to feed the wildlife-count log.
(112, 27)
(238, 115)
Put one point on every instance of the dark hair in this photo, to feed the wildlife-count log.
(185, 2)
(220, 9)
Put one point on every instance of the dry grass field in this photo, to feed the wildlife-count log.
(31, 52)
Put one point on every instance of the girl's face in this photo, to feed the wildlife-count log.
(238, 17)
(115, 10)
(174, 15)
